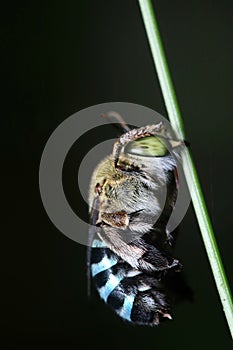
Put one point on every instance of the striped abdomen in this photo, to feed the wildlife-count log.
(134, 295)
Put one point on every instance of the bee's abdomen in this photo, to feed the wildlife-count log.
(132, 294)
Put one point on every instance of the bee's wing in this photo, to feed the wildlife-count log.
(139, 253)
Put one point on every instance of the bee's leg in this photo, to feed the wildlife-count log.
(151, 303)
(154, 259)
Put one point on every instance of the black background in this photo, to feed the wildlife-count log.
(58, 58)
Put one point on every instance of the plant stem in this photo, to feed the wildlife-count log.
(189, 168)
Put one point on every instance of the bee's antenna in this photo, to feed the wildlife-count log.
(118, 117)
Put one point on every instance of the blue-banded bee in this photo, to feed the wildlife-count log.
(132, 195)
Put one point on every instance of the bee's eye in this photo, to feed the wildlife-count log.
(150, 146)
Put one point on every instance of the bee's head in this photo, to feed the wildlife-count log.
(149, 141)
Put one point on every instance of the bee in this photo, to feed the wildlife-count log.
(132, 195)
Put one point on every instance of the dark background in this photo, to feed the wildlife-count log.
(58, 58)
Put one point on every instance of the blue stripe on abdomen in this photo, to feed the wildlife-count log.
(111, 284)
(108, 272)
(126, 309)
(103, 265)
(97, 243)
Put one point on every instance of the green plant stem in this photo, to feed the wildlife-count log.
(189, 168)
